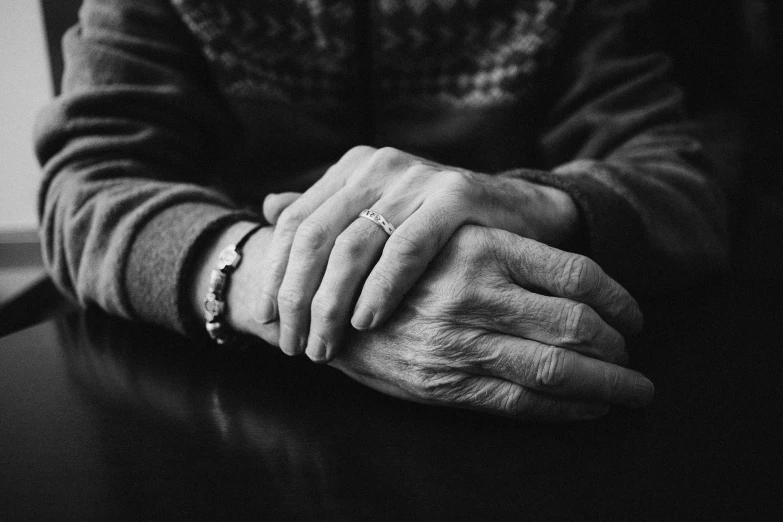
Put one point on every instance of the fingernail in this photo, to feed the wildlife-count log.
(316, 349)
(265, 312)
(645, 391)
(362, 318)
(290, 343)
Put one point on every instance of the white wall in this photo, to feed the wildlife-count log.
(25, 85)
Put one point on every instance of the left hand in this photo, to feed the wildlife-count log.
(506, 325)
(322, 251)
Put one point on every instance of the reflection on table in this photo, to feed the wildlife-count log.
(102, 419)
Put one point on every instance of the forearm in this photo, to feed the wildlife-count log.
(122, 244)
(128, 151)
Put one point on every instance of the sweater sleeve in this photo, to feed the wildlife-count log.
(127, 150)
(614, 136)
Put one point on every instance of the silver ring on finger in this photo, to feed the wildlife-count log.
(378, 220)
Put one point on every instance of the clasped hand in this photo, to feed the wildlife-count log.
(491, 321)
(322, 252)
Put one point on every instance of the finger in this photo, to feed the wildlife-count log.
(285, 229)
(574, 277)
(549, 320)
(562, 372)
(307, 260)
(274, 204)
(486, 394)
(405, 258)
(354, 253)
(504, 397)
(289, 220)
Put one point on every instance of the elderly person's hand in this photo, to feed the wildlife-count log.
(506, 325)
(322, 251)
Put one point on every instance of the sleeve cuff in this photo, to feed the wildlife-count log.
(162, 255)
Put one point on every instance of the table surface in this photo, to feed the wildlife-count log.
(100, 418)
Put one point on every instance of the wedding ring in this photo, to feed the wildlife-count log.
(378, 220)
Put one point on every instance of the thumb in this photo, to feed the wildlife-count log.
(275, 204)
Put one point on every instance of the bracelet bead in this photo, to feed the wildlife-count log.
(217, 281)
(215, 299)
(218, 332)
(214, 306)
(229, 258)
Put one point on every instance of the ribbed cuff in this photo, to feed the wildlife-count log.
(162, 257)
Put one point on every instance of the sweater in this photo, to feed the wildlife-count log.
(177, 117)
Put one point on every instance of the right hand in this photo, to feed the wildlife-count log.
(506, 325)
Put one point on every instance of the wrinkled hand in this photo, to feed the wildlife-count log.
(509, 326)
(322, 252)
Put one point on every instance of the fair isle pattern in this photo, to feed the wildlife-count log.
(464, 52)
(289, 50)
(434, 52)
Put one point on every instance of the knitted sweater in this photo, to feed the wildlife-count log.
(178, 116)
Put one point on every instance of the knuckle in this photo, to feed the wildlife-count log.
(386, 156)
(578, 326)
(357, 152)
(578, 277)
(457, 184)
(414, 175)
(349, 246)
(418, 170)
(291, 300)
(354, 157)
(455, 178)
(406, 250)
(290, 218)
(325, 310)
(312, 235)
(550, 368)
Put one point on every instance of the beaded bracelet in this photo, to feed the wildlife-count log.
(215, 300)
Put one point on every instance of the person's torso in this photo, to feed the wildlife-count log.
(453, 80)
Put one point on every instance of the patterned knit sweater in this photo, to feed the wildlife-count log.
(178, 116)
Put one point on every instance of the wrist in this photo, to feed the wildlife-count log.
(561, 225)
(236, 298)
(540, 212)
(246, 287)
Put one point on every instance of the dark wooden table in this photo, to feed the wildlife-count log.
(102, 419)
